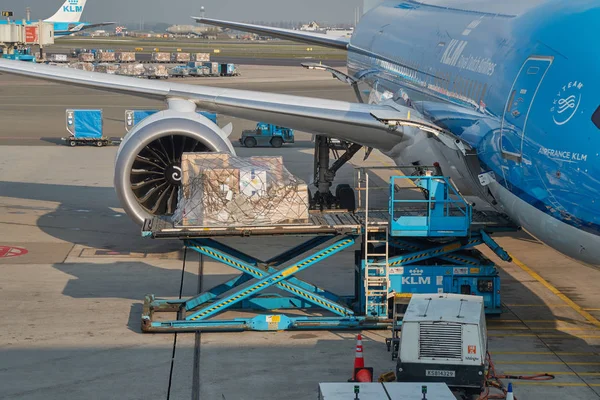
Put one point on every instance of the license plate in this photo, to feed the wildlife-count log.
(440, 373)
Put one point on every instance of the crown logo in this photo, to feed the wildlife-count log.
(73, 2)
(416, 271)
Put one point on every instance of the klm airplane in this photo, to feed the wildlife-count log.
(504, 95)
(67, 19)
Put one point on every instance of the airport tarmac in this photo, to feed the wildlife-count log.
(75, 271)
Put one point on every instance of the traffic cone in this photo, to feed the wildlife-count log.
(359, 361)
(363, 374)
(509, 393)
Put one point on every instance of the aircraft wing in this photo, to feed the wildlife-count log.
(377, 126)
(295, 35)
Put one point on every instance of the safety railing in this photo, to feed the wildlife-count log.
(441, 210)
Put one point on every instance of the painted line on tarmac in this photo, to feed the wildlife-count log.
(519, 321)
(550, 383)
(504, 362)
(538, 305)
(528, 373)
(545, 353)
(526, 328)
(545, 335)
(589, 317)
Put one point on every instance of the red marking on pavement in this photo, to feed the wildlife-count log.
(6, 251)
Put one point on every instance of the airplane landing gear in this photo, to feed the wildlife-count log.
(324, 176)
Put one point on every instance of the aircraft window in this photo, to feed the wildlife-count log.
(533, 70)
(596, 118)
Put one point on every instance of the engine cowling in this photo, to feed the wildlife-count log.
(148, 162)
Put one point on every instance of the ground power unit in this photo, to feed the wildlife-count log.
(444, 339)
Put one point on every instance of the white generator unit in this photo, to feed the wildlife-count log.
(444, 339)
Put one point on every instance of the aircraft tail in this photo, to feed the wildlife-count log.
(70, 11)
(368, 4)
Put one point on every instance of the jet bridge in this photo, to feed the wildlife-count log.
(16, 38)
(422, 242)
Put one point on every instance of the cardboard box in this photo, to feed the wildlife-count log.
(253, 181)
(221, 190)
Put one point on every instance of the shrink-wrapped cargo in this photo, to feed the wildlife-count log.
(180, 57)
(201, 57)
(126, 56)
(220, 190)
(84, 66)
(156, 71)
(107, 68)
(86, 57)
(58, 58)
(106, 56)
(161, 57)
(131, 69)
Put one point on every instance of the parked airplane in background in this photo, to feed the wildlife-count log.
(503, 95)
(66, 19)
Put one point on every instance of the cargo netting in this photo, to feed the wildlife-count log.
(221, 190)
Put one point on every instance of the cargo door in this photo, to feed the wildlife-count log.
(518, 105)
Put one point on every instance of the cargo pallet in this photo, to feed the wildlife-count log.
(386, 266)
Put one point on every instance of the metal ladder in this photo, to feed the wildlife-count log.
(376, 281)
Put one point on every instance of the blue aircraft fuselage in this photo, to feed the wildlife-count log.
(66, 28)
(518, 81)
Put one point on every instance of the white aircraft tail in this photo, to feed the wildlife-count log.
(70, 11)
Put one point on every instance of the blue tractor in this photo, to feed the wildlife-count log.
(267, 135)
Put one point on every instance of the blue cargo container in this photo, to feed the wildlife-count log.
(213, 67)
(227, 69)
(85, 127)
(85, 124)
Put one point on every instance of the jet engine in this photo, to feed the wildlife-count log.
(148, 164)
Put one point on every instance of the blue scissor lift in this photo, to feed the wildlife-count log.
(422, 245)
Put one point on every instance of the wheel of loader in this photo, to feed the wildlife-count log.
(345, 196)
(277, 142)
(249, 142)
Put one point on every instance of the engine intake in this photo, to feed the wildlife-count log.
(148, 162)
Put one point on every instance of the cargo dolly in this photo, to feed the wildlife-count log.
(400, 251)
(86, 128)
